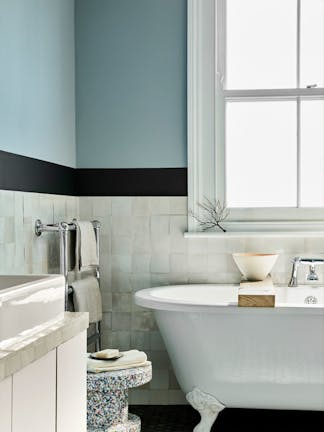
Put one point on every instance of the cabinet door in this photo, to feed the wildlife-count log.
(34, 396)
(5, 404)
(72, 385)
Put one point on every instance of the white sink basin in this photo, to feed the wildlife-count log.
(28, 301)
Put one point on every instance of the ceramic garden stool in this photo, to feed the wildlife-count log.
(108, 399)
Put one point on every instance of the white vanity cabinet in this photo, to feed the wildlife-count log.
(5, 404)
(72, 385)
(48, 394)
(34, 396)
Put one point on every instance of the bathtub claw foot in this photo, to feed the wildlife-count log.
(207, 406)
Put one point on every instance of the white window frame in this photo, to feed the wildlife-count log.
(206, 141)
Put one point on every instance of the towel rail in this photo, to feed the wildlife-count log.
(58, 227)
(63, 229)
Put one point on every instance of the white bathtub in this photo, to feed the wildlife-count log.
(226, 356)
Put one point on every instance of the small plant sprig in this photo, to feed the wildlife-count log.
(214, 211)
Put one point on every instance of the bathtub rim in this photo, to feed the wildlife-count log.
(144, 298)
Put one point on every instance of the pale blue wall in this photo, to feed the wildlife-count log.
(37, 102)
(131, 83)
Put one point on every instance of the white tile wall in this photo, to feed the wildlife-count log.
(20, 250)
(145, 247)
(142, 245)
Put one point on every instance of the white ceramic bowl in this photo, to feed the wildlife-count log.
(255, 266)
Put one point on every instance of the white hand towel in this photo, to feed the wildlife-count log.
(130, 359)
(86, 246)
(87, 298)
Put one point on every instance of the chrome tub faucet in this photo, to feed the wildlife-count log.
(311, 276)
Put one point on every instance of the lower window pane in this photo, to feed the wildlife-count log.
(312, 154)
(261, 156)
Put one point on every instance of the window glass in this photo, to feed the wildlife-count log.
(312, 43)
(261, 44)
(312, 153)
(261, 156)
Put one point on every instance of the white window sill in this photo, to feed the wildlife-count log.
(263, 229)
(256, 234)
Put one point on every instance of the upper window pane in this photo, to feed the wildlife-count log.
(261, 44)
(312, 43)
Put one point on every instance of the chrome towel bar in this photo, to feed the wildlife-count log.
(63, 229)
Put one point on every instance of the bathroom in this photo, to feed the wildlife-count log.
(108, 113)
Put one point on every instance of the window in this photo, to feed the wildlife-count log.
(256, 107)
(273, 61)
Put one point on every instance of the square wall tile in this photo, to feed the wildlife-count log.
(160, 263)
(121, 206)
(141, 206)
(121, 302)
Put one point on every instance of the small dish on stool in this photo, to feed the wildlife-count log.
(116, 357)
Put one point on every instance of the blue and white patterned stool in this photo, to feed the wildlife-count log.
(108, 399)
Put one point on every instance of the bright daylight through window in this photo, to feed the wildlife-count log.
(271, 64)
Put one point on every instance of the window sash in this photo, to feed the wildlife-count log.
(273, 94)
(239, 95)
(221, 190)
(221, 60)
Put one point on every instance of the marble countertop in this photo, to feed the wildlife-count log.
(18, 352)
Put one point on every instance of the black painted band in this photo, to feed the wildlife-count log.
(132, 182)
(22, 173)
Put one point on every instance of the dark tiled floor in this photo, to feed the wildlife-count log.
(183, 418)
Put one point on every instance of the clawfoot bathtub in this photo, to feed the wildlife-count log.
(226, 356)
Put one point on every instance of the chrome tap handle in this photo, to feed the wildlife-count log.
(312, 276)
(312, 262)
